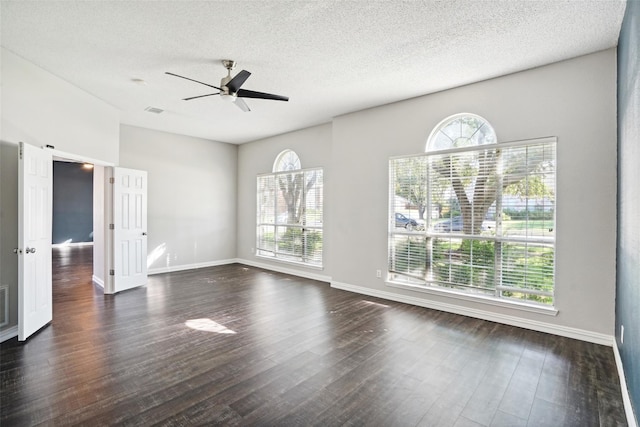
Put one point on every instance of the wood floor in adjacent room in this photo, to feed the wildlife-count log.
(237, 345)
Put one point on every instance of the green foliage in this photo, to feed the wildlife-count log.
(531, 214)
(295, 241)
(411, 257)
(532, 186)
(471, 263)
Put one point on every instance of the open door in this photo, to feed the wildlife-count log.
(129, 228)
(35, 189)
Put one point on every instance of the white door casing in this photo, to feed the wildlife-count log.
(129, 228)
(35, 190)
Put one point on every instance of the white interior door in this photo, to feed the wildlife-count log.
(130, 228)
(35, 190)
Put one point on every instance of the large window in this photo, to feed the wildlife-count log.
(475, 216)
(289, 223)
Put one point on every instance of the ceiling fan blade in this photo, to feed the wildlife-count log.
(243, 93)
(242, 105)
(187, 78)
(200, 96)
(235, 83)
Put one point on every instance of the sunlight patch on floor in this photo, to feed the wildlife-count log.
(208, 325)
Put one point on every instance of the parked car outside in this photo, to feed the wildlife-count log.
(405, 222)
(449, 224)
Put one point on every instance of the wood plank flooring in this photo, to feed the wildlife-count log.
(237, 345)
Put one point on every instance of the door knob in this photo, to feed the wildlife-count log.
(30, 250)
(144, 233)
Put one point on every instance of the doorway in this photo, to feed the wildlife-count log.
(72, 227)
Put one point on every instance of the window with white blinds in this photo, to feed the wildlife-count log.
(476, 218)
(289, 217)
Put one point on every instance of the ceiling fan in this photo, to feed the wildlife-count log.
(230, 88)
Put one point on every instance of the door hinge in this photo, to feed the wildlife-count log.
(20, 152)
(112, 180)
(112, 273)
(111, 227)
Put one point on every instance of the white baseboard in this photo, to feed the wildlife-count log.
(285, 270)
(564, 331)
(183, 267)
(9, 333)
(626, 399)
(98, 281)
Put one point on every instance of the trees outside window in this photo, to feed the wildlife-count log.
(487, 209)
(289, 217)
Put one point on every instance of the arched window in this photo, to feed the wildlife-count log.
(289, 217)
(461, 130)
(288, 160)
(473, 215)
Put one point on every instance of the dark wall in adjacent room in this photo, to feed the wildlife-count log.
(72, 203)
(628, 246)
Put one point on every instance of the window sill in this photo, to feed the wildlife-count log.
(483, 299)
(289, 262)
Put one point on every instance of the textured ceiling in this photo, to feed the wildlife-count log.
(329, 57)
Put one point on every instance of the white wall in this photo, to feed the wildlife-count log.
(40, 109)
(573, 100)
(313, 146)
(192, 197)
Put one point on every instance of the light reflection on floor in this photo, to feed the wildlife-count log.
(208, 325)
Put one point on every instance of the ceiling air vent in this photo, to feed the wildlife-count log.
(154, 110)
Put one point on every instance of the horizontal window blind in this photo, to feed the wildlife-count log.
(290, 212)
(479, 219)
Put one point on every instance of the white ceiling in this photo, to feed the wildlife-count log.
(329, 57)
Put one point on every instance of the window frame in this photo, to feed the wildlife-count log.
(423, 284)
(310, 260)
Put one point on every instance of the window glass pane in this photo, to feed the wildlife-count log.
(409, 198)
(289, 241)
(313, 247)
(266, 239)
(463, 187)
(290, 197)
(528, 200)
(463, 264)
(408, 255)
(313, 198)
(527, 271)
(266, 199)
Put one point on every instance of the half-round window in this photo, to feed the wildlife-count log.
(461, 130)
(288, 160)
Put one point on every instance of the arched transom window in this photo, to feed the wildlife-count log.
(461, 130)
(288, 160)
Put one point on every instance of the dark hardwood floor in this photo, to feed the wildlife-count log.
(237, 345)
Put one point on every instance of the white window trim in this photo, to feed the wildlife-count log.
(274, 255)
(486, 299)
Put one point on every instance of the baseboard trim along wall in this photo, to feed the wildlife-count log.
(174, 268)
(9, 333)
(98, 281)
(564, 331)
(626, 399)
(285, 270)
